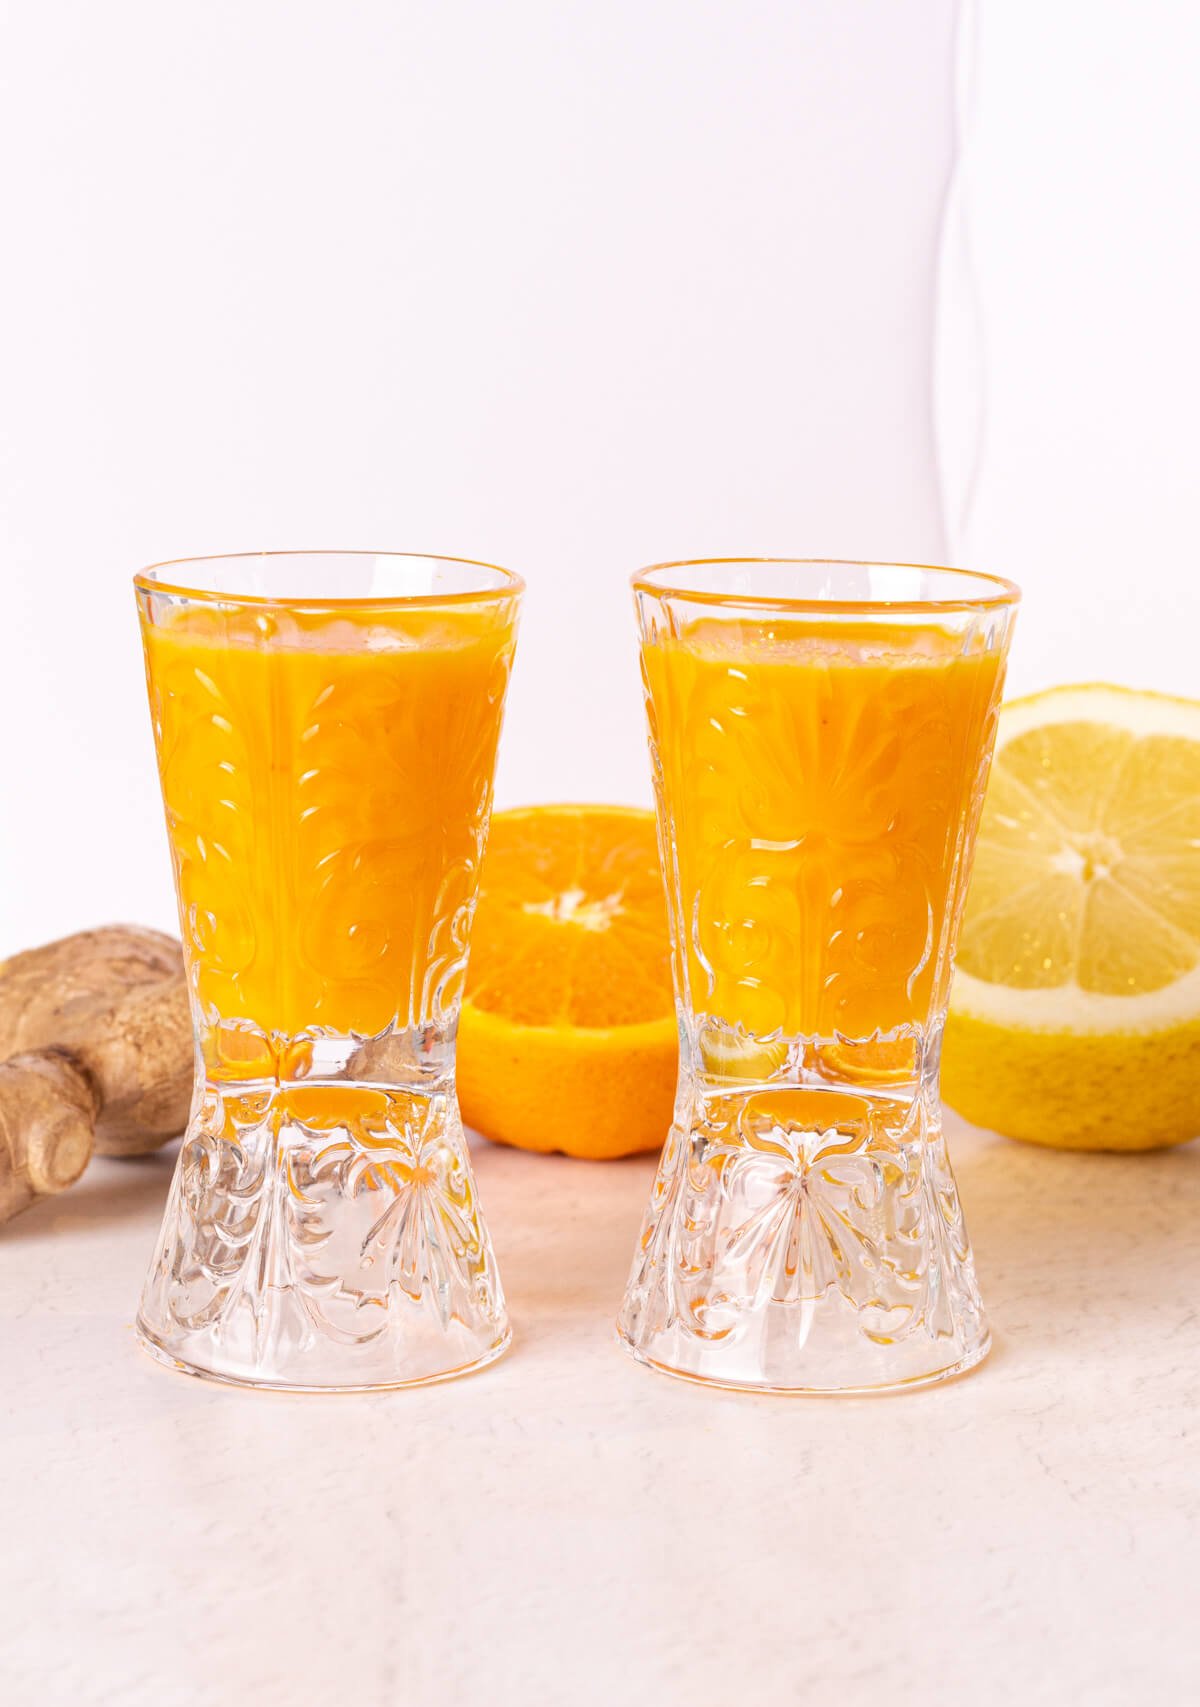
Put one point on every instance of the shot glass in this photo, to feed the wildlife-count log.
(326, 726)
(820, 735)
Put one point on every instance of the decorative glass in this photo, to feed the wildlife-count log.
(820, 735)
(326, 726)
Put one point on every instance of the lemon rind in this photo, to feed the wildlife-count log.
(1140, 711)
(1067, 1008)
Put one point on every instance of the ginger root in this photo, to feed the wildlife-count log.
(47, 1116)
(100, 1038)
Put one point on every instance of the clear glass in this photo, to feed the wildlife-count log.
(820, 735)
(326, 725)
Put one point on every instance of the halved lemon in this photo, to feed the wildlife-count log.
(568, 1039)
(1075, 1013)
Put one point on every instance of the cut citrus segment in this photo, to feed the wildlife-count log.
(740, 1057)
(1075, 1014)
(568, 1039)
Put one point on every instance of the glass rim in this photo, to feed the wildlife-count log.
(509, 586)
(1001, 594)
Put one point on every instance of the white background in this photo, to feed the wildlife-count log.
(1081, 177)
(574, 288)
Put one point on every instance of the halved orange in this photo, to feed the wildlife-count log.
(568, 1039)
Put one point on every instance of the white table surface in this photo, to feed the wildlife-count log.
(568, 1528)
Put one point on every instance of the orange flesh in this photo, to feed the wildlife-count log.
(572, 927)
(822, 781)
(326, 781)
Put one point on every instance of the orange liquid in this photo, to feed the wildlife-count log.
(326, 781)
(823, 783)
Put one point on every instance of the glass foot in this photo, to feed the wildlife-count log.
(806, 1242)
(962, 1367)
(324, 1237)
(160, 1354)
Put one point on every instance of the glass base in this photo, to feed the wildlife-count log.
(161, 1355)
(963, 1367)
(807, 1242)
(324, 1236)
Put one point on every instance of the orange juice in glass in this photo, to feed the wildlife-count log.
(820, 735)
(326, 727)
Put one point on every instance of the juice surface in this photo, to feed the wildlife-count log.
(326, 780)
(822, 780)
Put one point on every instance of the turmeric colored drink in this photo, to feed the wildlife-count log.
(326, 781)
(820, 735)
(326, 727)
(821, 781)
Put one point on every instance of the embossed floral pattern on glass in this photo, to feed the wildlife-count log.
(819, 737)
(326, 728)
